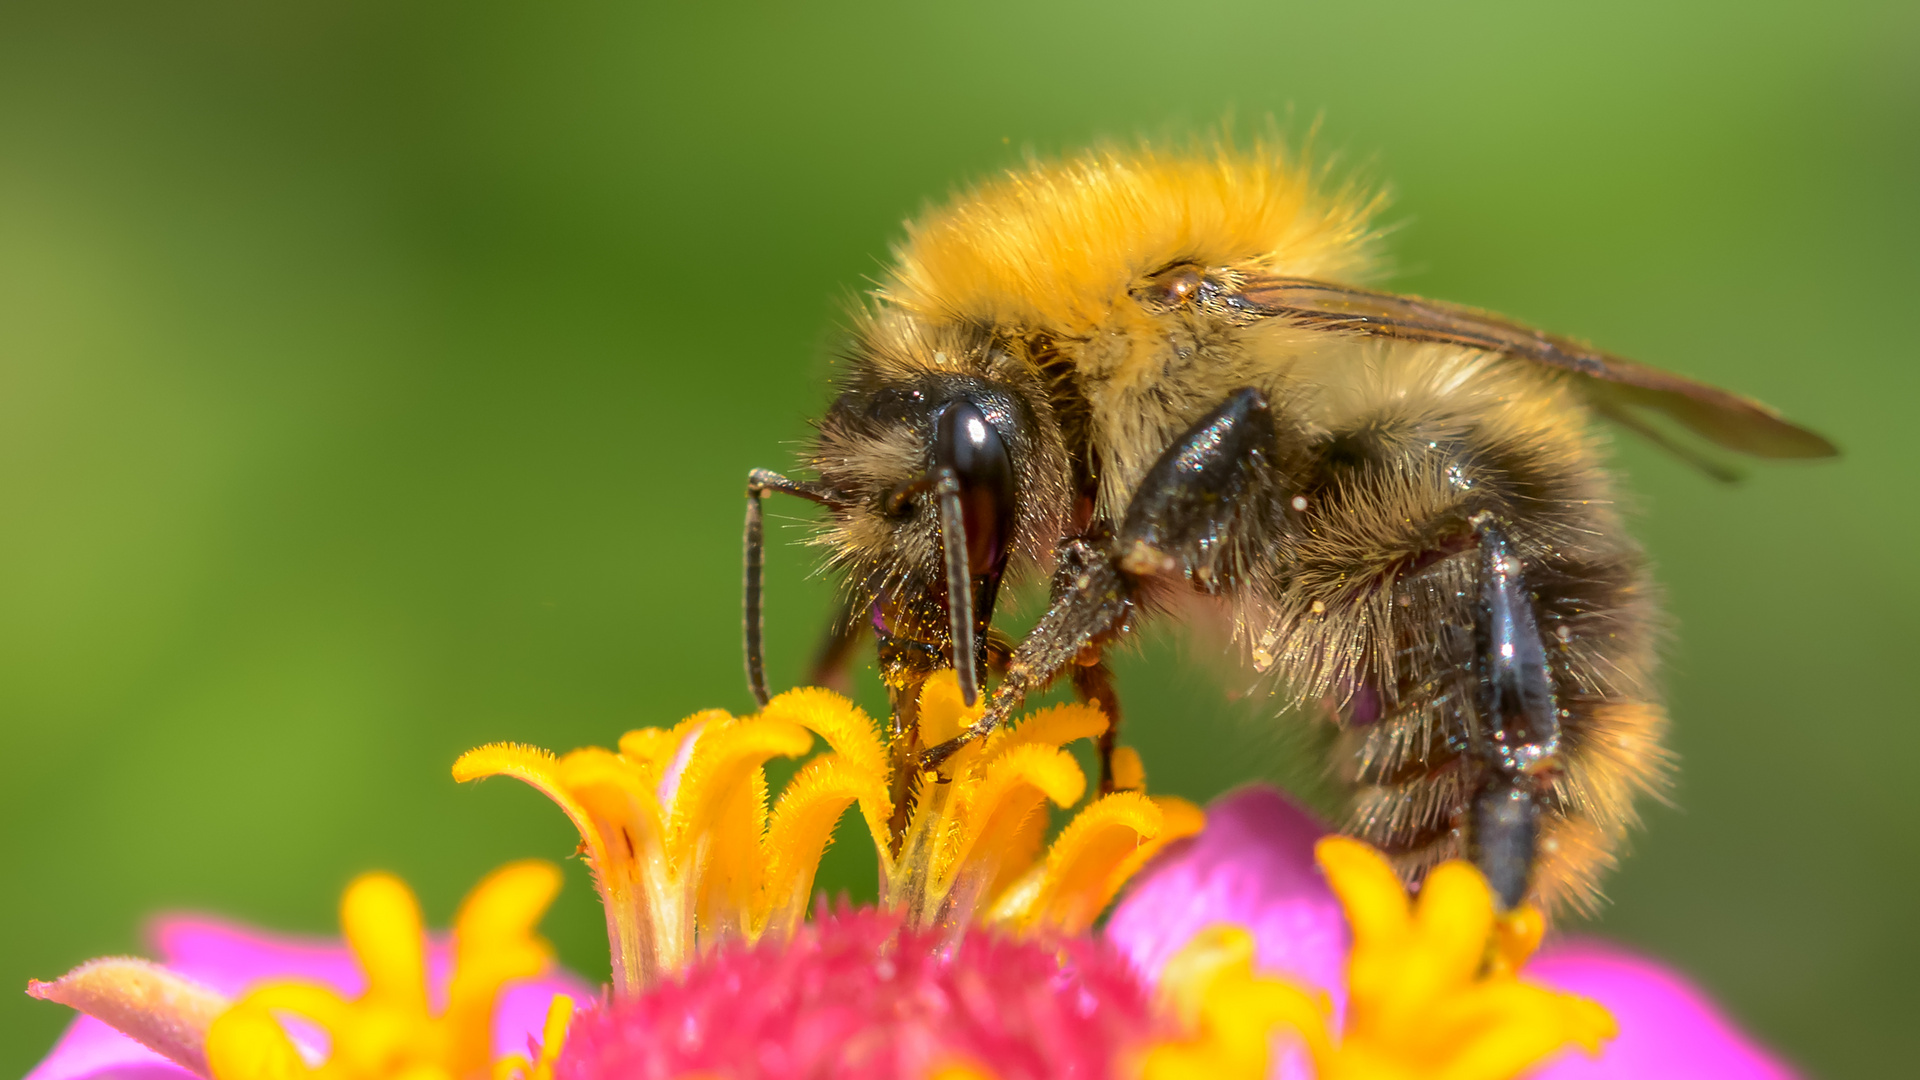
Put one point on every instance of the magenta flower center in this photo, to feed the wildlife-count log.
(856, 995)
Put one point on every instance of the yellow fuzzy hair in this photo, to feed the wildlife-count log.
(1058, 244)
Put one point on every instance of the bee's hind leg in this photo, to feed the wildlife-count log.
(1195, 509)
(1517, 733)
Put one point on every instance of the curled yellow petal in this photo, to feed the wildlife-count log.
(1455, 911)
(1230, 1014)
(494, 942)
(944, 715)
(971, 845)
(1129, 772)
(619, 822)
(1504, 1029)
(853, 737)
(848, 730)
(1371, 893)
(802, 826)
(943, 712)
(1430, 991)
(1013, 787)
(1516, 935)
(380, 919)
(1015, 884)
(247, 1043)
(714, 841)
(718, 772)
(495, 923)
(1431, 986)
(1089, 861)
(541, 770)
(618, 796)
(654, 750)
(389, 1032)
(1089, 867)
(1054, 726)
(317, 1002)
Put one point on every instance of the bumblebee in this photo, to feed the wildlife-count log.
(1160, 379)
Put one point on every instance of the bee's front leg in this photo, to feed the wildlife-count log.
(1189, 517)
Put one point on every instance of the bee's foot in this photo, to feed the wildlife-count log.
(935, 756)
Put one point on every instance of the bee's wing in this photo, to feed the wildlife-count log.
(1619, 388)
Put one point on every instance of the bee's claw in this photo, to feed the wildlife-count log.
(935, 756)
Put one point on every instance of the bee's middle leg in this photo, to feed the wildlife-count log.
(1093, 683)
(1188, 517)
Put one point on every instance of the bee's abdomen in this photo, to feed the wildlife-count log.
(1409, 745)
(1377, 618)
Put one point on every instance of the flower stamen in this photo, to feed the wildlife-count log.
(686, 855)
(676, 830)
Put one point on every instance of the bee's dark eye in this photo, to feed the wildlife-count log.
(965, 442)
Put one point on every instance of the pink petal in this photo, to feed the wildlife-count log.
(1253, 866)
(231, 958)
(1668, 1026)
(91, 1049)
(521, 1013)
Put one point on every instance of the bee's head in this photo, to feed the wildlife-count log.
(950, 470)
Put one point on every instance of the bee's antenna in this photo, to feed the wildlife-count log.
(953, 542)
(759, 482)
(755, 543)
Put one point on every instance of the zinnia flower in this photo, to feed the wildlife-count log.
(1254, 867)
(980, 961)
(387, 1000)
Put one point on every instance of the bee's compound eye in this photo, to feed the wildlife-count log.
(965, 442)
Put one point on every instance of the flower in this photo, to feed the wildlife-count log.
(867, 995)
(370, 997)
(687, 856)
(1254, 867)
(980, 963)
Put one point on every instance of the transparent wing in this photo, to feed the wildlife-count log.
(1620, 389)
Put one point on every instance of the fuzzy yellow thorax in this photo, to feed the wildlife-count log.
(687, 854)
(1432, 989)
(1057, 244)
(390, 1031)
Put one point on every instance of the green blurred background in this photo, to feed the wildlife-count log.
(378, 379)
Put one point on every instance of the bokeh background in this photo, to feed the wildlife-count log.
(378, 379)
